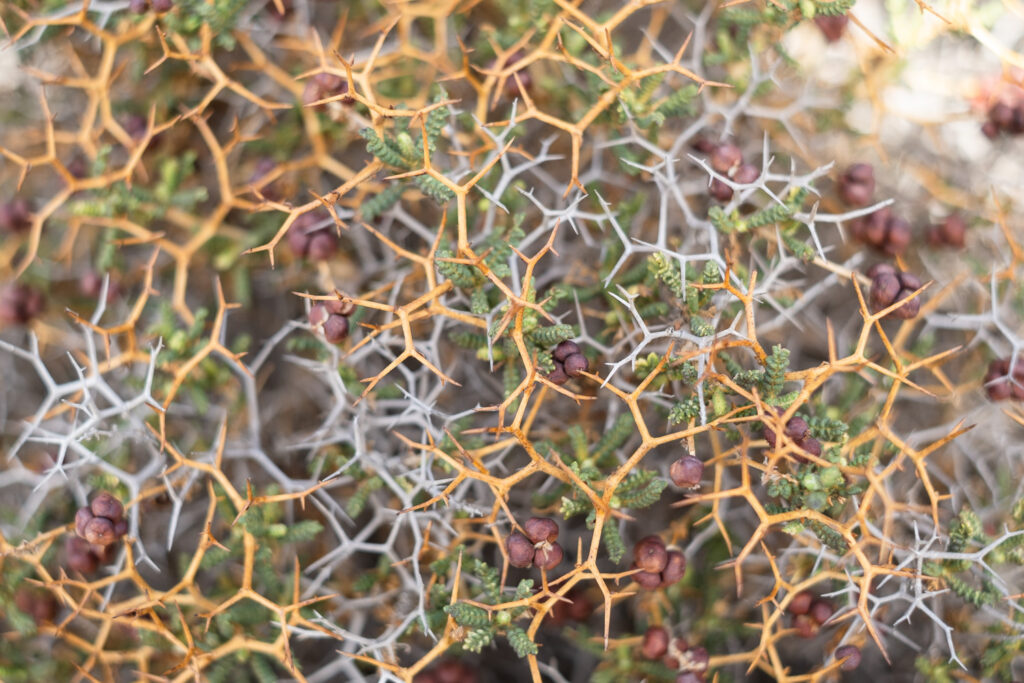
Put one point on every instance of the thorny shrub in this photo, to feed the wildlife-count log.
(494, 340)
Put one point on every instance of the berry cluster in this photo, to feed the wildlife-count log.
(659, 566)
(727, 159)
(331, 318)
(324, 85)
(809, 613)
(537, 547)
(883, 231)
(686, 472)
(569, 362)
(857, 185)
(951, 232)
(158, 6)
(832, 26)
(1002, 384)
(102, 523)
(318, 244)
(889, 286)
(448, 671)
(15, 216)
(799, 431)
(19, 303)
(1004, 118)
(690, 662)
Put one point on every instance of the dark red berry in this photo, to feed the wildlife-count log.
(136, 126)
(726, 156)
(832, 26)
(520, 550)
(897, 237)
(1001, 114)
(746, 174)
(884, 289)
(82, 517)
(574, 607)
(910, 309)
(720, 190)
(539, 529)
(810, 445)
(648, 580)
(575, 364)
(138, 6)
(990, 130)
(801, 603)
(674, 569)
(857, 185)
(106, 505)
(910, 281)
(650, 554)
(317, 314)
(100, 531)
(564, 350)
(687, 471)
(339, 307)
(821, 611)
(558, 376)
(548, 557)
(882, 269)
(951, 232)
(851, 655)
(655, 642)
(797, 428)
(678, 647)
(335, 329)
(322, 245)
(161, 6)
(80, 556)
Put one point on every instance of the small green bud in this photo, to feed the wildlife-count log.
(810, 482)
(831, 477)
(503, 618)
(615, 502)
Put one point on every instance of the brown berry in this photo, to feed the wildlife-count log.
(138, 6)
(564, 350)
(910, 309)
(575, 364)
(650, 554)
(317, 314)
(335, 329)
(655, 642)
(322, 245)
(805, 625)
(548, 557)
(674, 569)
(990, 130)
(558, 376)
(100, 531)
(726, 156)
(821, 611)
(106, 505)
(857, 185)
(746, 174)
(897, 237)
(720, 190)
(80, 556)
(884, 290)
(648, 580)
(540, 529)
(82, 517)
(910, 281)
(797, 428)
(881, 269)
(161, 6)
(520, 550)
(687, 471)
(951, 232)
(37, 603)
(851, 655)
(801, 603)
